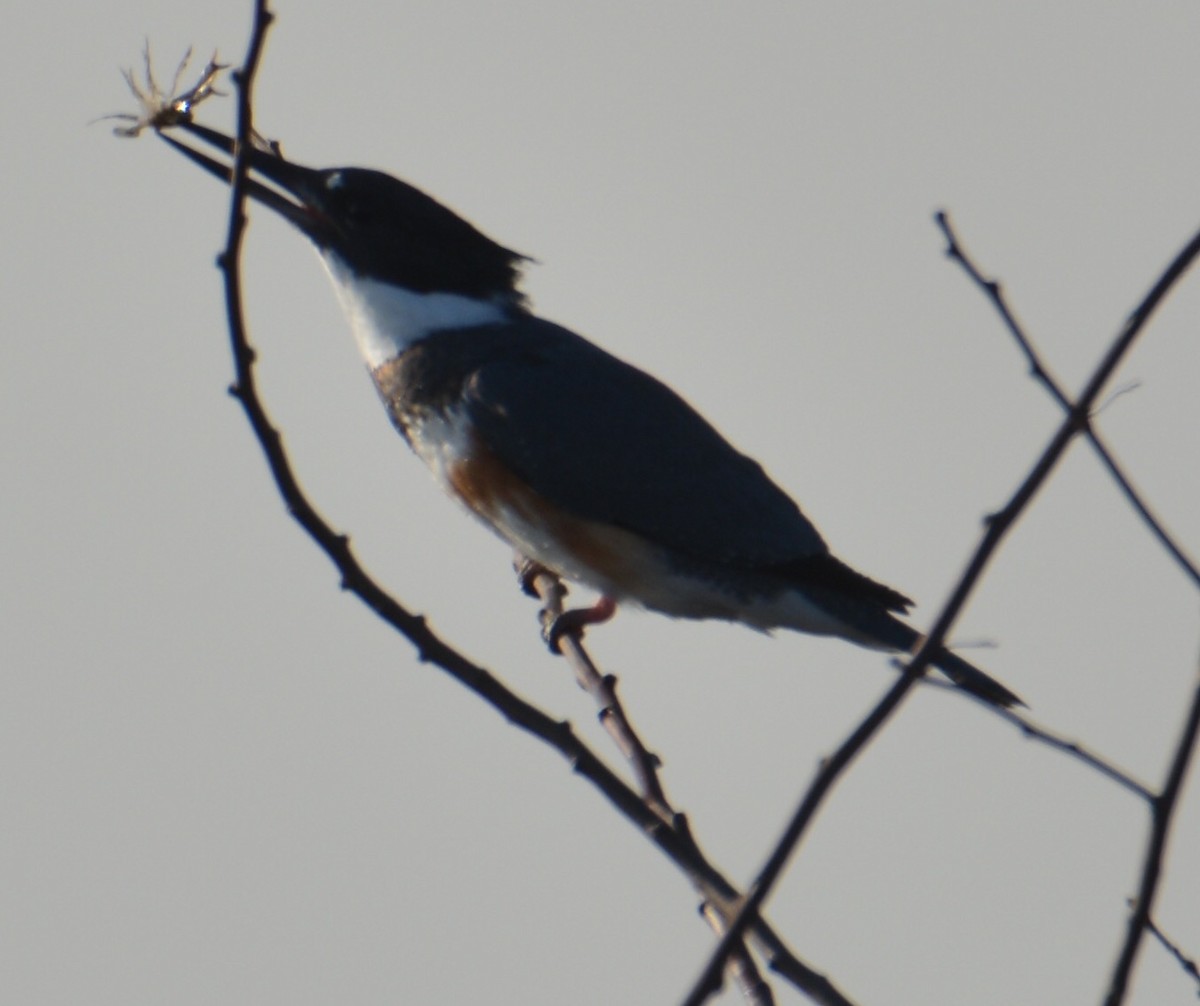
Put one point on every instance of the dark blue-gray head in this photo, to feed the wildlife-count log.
(378, 226)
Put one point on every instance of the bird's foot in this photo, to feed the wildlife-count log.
(573, 622)
(566, 623)
(527, 571)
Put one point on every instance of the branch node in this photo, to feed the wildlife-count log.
(681, 824)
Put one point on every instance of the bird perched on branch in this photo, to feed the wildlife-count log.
(586, 465)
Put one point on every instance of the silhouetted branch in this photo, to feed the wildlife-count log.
(1037, 369)
(998, 525)
(741, 966)
(1162, 810)
(828, 774)
(1189, 966)
(1162, 804)
(1037, 732)
(603, 689)
(717, 907)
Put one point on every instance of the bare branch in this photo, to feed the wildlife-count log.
(603, 689)
(1034, 731)
(1044, 735)
(1162, 804)
(1187, 963)
(998, 525)
(741, 967)
(992, 290)
(1162, 810)
(718, 906)
(828, 774)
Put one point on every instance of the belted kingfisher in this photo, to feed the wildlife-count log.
(586, 465)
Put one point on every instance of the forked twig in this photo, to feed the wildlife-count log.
(1162, 804)
(1189, 966)
(1044, 735)
(992, 290)
(1162, 810)
(998, 525)
(717, 908)
(827, 775)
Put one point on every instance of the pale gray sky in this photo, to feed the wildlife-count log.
(225, 781)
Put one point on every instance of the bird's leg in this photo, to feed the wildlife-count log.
(573, 622)
(568, 623)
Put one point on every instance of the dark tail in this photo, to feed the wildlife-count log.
(971, 679)
(869, 609)
(967, 676)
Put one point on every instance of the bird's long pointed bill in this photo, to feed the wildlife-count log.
(294, 203)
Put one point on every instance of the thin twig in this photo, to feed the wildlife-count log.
(998, 525)
(710, 978)
(741, 967)
(1187, 963)
(1162, 804)
(1162, 810)
(1044, 735)
(1034, 731)
(603, 689)
(1037, 368)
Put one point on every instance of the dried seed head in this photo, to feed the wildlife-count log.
(160, 109)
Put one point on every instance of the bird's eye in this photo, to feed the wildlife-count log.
(357, 211)
(349, 205)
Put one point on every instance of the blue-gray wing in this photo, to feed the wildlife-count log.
(610, 443)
